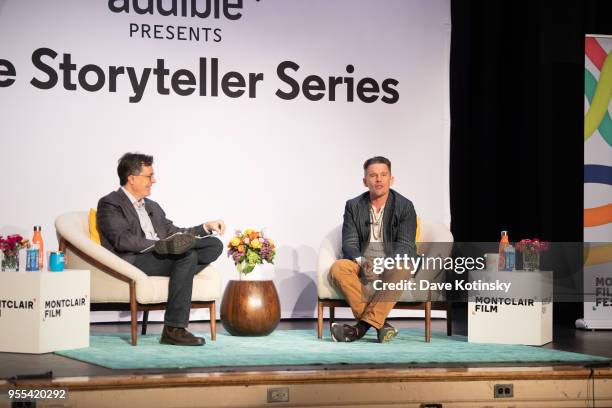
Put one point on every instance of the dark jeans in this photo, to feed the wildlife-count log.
(181, 269)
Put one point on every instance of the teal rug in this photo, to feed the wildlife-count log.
(301, 347)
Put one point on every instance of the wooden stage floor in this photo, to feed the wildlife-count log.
(325, 385)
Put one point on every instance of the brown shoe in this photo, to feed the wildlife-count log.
(179, 336)
(177, 244)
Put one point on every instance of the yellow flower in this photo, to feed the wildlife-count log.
(247, 232)
(256, 243)
(235, 241)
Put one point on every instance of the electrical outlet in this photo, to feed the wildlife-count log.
(278, 394)
(503, 391)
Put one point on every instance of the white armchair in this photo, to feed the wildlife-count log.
(430, 234)
(119, 285)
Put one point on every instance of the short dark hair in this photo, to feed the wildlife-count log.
(130, 164)
(376, 160)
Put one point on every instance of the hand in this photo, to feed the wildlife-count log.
(367, 269)
(216, 225)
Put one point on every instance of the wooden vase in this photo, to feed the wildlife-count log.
(250, 308)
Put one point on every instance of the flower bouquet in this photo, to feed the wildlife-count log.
(531, 249)
(250, 248)
(10, 247)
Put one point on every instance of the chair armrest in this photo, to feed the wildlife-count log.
(67, 230)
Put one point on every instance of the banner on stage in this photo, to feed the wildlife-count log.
(258, 112)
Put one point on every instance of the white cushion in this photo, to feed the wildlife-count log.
(331, 250)
(74, 228)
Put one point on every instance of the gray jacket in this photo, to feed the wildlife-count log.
(120, 230)
(399, 226)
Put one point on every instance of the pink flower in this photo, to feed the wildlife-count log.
(534, 245)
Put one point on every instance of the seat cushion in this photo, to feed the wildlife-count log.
(329, 291)
(149, 289)
(206, 286)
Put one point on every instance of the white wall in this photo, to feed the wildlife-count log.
(286, 165)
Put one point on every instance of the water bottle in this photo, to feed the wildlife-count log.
(32, 255)
(503, 243)
(37, 239)
(510, 255)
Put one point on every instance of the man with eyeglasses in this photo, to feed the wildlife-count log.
(137, 230)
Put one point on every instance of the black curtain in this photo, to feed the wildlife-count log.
(516, 93)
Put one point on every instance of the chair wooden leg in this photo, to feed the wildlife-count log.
(133, 311)
(145, 319)
(449, 319)
(332, 316)
(319, 319)
(213, 321)
(427, 321)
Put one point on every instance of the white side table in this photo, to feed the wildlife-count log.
(42, 312)
(523, 316)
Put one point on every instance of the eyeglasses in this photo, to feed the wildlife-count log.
(150, 176)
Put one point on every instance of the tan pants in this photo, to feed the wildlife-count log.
(371, 306)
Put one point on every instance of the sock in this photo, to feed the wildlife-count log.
(362, 328)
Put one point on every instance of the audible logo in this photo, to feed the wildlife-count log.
(184, 8)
